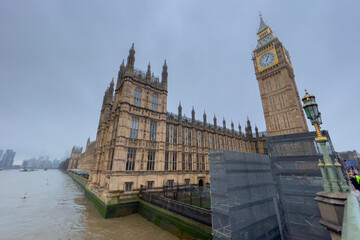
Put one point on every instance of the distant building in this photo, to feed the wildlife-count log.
(74, 158)
(8, 158)
(352, 158)
(41, 162)
(1, 153)
(55, 163)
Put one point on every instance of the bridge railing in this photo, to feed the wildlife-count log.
(351, 221)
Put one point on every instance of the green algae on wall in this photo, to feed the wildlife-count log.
(179, 226)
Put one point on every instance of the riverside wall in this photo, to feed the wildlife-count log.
(180, 226)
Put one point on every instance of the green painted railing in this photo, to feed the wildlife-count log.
(351, 221)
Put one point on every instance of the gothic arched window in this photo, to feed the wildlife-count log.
(154, 103)
(137, 97)
(134, 128)
(130, 161)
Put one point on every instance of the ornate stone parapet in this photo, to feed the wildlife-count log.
(331, 205)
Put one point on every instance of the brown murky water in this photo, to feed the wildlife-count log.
(55, 208)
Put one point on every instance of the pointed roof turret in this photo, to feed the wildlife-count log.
(111, 88)
(265, 35)
(215, 122)
(204, 118)
(131, 59)
(120, 74)
(132, 49)
(148, 73)
(112, 84)
(256, 131)
(164, 76)
(179, 112)
(248, 129)
(263, 25)
(193, 115)
(110, 92)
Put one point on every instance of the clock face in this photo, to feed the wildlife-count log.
(267, 59)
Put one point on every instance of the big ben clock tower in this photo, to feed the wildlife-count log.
(279, 95)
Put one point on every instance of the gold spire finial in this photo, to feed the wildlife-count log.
(306, 92)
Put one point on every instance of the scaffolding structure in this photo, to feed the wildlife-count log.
(242, 196)
(297, 179)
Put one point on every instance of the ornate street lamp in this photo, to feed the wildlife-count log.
(332, 175)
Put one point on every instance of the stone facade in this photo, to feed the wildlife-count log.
(74, 157)
(85, 160)
(279, 95)
(141, 145)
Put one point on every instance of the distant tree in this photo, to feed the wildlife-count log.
(64, 165)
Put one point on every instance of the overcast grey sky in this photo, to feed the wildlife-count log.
(57, 58)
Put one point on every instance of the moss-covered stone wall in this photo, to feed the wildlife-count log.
(180, 226)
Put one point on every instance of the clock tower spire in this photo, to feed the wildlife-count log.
(275, 75)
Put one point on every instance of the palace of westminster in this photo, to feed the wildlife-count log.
(141, 145)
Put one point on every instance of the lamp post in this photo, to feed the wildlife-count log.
(332, 175)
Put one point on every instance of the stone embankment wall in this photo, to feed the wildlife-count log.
(197, 214)
(180, 226)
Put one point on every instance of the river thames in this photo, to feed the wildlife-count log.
(55, 208)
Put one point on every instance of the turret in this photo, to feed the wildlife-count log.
(262, 25)
(87, 143)
(232, 127)
(107, 103)
(131, 61)
(224, 124)
(193, 116)
(121, 74)
(215, 122)
(104, 99)
(239, 129)
(248, 129)
(256, 131)
(148, 73)
(110, 93)
(204, 118)
(179, 112)
(164, 75)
